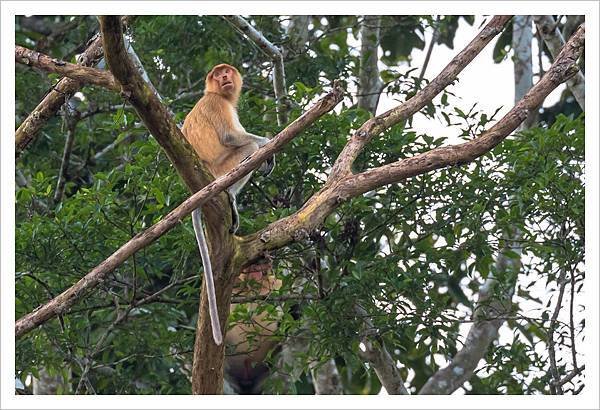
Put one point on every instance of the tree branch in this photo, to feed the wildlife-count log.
(321, 204)
(554, 41)
(326, 378)
(275, 54)
(55, 98)
(86, 75)
(434, 37)
(563, 68)
(376, 125)
(378, 356)
(66, 158)
(341, 188)
(70, 296)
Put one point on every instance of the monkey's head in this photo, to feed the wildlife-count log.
(225, 80)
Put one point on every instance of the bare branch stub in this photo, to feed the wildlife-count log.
(51, 103)
(85, 75)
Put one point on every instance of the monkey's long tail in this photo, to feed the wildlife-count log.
(208, 276)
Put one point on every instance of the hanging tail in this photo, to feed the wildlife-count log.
(208, 276)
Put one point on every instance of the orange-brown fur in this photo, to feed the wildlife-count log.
(213, 129)
(212, 116)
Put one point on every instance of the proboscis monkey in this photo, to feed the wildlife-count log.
(213, 129)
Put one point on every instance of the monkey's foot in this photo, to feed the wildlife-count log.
(267, 167)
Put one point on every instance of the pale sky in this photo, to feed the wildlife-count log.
(489, 84)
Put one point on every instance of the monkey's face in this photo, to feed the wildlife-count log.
(226, 78)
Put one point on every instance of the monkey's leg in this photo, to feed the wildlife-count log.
(232, 192)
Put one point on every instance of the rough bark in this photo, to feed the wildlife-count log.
(55, 99)
(555, 41)
(339, 188)
(87, 75)
(326, 378)
(369, 82)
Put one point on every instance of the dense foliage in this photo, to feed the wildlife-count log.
(413, 254)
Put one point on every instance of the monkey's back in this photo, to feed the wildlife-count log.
(202, 127)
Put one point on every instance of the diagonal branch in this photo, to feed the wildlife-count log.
(70, 296)
(564, 67)
(55, 98)
(378, 356)
(339, 189)
(381, 122)
(76, 72)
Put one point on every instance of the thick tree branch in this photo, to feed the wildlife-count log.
(275, 54)
(376, 125)
(337, 190)
(554, 41)
(86, 75)
(69, 297)
(563, 68)
(55, 98)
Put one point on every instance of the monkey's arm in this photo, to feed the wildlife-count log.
(241, 138)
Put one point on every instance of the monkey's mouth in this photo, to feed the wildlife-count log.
(227, 84)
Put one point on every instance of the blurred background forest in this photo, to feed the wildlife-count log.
(414, 254)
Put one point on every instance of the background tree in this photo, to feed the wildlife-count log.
(386, 278)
